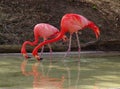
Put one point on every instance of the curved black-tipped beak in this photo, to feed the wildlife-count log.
(97, 33)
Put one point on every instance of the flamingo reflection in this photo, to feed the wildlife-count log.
(41, 81)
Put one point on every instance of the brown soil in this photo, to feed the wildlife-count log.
(18, 17)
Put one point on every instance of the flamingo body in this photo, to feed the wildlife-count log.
(72, 22)
(45, 30)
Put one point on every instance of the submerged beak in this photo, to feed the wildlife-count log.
(38, 58)
(97, 33)
(26, 56)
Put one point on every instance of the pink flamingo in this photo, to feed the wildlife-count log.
(71, 23)
(44, 31)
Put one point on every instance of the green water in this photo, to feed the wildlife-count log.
(96, 72)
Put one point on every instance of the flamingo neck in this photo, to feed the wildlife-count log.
(91, 25)
(23, 49)
(60, 35)
(94, 28)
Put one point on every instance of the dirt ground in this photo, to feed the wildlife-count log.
(18, 18)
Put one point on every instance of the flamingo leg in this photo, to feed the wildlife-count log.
(79, 49)
(50, 59)
(78, 42)
(50, 56)
(42, 51)
(42, 48)
(50, 50)
(67, 68)
(44, 39)
(69, 47)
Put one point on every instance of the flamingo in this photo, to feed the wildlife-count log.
(71, 23)
(44, 31)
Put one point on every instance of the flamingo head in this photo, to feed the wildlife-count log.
(35, 54)
(95, 29)
(65, 38)
(38, 58)
(97, 32)
(24, 53)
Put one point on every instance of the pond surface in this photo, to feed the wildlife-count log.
(96, 70)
